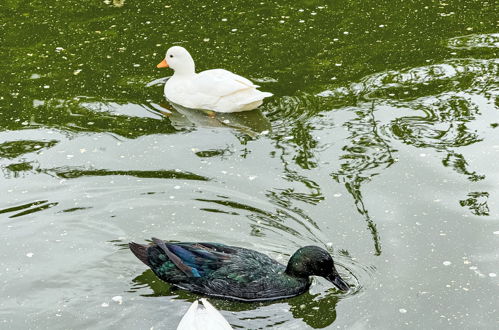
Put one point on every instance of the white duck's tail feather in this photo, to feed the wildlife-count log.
(256, 96)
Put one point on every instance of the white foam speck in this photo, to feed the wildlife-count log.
(446, 263)
(118, 299)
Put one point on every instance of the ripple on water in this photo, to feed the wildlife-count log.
(451, 75)
(475, 41)
(360, 277)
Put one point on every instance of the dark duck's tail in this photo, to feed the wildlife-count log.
(140, 252)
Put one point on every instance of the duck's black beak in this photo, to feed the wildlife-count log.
(338, 282)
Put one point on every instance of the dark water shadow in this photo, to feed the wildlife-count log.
(14, 149)
(68, 172)
(29, 208)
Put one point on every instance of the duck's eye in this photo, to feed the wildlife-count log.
(171, 55)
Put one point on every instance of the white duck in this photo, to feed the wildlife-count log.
(203, 317)
(218, 89)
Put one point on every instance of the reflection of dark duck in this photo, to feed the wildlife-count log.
(236, 273)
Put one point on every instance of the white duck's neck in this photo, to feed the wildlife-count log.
(186, 68)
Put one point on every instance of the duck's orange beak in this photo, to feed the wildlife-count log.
(163, 64)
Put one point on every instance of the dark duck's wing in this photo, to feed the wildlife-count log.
(183, 262)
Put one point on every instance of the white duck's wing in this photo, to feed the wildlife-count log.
(220, 82)
(224, 91)
(203, 317)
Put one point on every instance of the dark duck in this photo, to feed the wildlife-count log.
(236, 273)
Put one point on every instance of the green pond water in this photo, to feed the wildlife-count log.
(380, 143)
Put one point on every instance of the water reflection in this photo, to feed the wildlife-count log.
(477, 203)
(262, 220)
(451, 75)
(365, 157)
(459, 164)
(87, 115)
(475, 41)
(28, 208)
(443, 126)
(251, 123)
(16, 170)
(77, 172)
(14, 149)
(317, 310)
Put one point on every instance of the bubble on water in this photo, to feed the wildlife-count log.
(446, 263)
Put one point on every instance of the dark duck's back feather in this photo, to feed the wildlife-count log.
(235, 273)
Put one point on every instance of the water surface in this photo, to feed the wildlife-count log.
(380, 144)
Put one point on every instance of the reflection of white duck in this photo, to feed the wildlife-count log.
(203, 318)
(218, 89)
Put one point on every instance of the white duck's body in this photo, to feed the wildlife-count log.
(218, 90)
(203, 317)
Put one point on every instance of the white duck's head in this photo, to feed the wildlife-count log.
(179, 59)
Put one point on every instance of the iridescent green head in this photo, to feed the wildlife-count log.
(313, 260)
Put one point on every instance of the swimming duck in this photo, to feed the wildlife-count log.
(236, 273)
(203, 316)
(217, 90)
